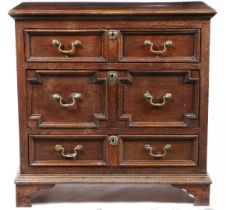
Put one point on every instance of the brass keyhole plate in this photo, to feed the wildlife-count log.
(113, 140)
(112, 75)
(112, 34)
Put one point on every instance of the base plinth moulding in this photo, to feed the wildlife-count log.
(28, 185)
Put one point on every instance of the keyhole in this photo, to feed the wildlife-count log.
(113, 140)
(112, 34)
(112, 75)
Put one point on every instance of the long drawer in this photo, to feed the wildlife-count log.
(81, 99)
(94, 150)
(172, 45)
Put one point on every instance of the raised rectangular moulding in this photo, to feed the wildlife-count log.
(158, 150)
(67, 150)
(160, 98)
(65, 99)
(160, 45)
(65, 45)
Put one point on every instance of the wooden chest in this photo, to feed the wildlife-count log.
(113, 93)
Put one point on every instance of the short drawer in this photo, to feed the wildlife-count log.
(67, 150)
(159, 150)
(63, 45)
(160, 99)
(160, 45)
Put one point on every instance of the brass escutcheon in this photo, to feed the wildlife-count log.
(113, 34)
(112, 75)
(113, 140)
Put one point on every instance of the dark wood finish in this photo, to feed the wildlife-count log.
(43, 153)
(191, 9)
(201, 192)
(44, 112)
(180, 111)
(184, 151)
(39, 45)
(197, 185)
(185, 48)
(113, 178)
(113, 106)
(24, 193)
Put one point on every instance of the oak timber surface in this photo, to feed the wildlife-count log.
(113, 93)
(88, 8)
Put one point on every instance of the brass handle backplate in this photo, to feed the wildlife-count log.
(166, 45)
(166, 149)
(74, 44)
(150, 98)
(59, 148)
(59, 98)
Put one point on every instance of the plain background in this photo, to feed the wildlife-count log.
(9, 153)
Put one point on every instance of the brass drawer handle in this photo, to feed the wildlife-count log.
(166, 149)
(150, 98)
(75, 97)
(59, 148)
(166, 45)
(58, 44)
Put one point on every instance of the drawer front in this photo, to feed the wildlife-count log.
(159, 150)
(65, 99)
(61, 45)
(168, 45)
(159, 99)
(68, 150)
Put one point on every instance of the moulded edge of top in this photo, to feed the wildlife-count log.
(192, 10)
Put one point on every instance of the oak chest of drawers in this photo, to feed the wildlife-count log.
(113, 93)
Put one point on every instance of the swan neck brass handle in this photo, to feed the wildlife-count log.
(150, 98)
(59, 45)
(74, 96)
(74, 155)
(166, 149)
(166, 45)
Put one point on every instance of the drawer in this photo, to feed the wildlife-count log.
(159, 99)
(158, 150)
(160, 45)
(63, 45)
(67, 150)
(65, 99)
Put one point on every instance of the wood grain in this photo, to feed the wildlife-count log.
(113, 106)
(114, 9)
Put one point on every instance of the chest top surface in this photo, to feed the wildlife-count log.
(68, 9)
